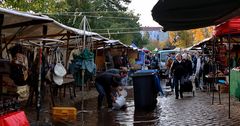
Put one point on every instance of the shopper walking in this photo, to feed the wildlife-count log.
(178, 71)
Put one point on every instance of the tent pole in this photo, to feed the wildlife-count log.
(84, 44)
(1, 24)
(85, 23)
(1, 50)
(14, 36)
(229, 69)
(214, 68)
(45, 29)
(67, 53)
(39, 82)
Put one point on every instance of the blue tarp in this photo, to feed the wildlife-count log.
(140, 60)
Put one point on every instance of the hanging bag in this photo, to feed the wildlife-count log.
(59, 69)
(119, 103)
(57, 80)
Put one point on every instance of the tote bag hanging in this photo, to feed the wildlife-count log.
(59, 69)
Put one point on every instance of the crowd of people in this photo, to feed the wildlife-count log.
(182, 67)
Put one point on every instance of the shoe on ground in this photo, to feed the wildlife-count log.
(100, 108)
(181, 96)
(110, 109)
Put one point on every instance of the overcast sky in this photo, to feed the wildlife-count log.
(144, 7)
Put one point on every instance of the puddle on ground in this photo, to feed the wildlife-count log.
(128, 117)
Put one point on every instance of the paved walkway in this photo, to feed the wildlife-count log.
(198, 110)
(189, 111)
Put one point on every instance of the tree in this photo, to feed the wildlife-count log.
(189, 37)
(141, 41)
(183, 39)
(107, 15)
(107, 21)
(209, 31)
(202, 33)
(172, 36)
(39, 6)
(199, 34)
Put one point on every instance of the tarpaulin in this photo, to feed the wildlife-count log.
(176, 15)
(230, 27)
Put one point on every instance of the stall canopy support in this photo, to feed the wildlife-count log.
(1, 25)
(67, 53)
(229, 71)
(15, 35)
(1, 77)
(45, 29)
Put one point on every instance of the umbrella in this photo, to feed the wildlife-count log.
(176, 15)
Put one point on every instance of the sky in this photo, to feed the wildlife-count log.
(144, 7)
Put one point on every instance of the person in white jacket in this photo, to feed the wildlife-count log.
(197, 73)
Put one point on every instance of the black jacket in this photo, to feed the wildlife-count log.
(107, 80)
(178, 69)
(188, 67)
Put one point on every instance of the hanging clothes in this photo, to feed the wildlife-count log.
(82, 61)
(19, 65)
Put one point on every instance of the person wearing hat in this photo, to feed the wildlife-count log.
(104, 83)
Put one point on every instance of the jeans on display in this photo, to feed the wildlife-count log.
(158, 85)
(177, 82)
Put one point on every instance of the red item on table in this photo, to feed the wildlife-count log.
(14, 119)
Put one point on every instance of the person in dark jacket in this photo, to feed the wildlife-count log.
(187, 64)
(178, 72)
(104, 82)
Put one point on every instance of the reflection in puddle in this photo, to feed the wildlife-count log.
(131, 117)
(128, 117)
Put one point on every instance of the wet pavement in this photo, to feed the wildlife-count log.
(188, 111)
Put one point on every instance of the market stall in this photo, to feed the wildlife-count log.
(109, 54)
(182, 15)
(228, 35)
(32, 39)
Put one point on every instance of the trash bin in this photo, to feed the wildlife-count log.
(145, 92)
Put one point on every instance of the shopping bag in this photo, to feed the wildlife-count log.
(59, 69)
(119, 103)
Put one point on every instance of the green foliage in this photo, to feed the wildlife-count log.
(114, 8)
(150, 47)
(39, 6)
(184, 39)
(141, 41)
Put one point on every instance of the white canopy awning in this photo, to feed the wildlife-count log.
(22, 25)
